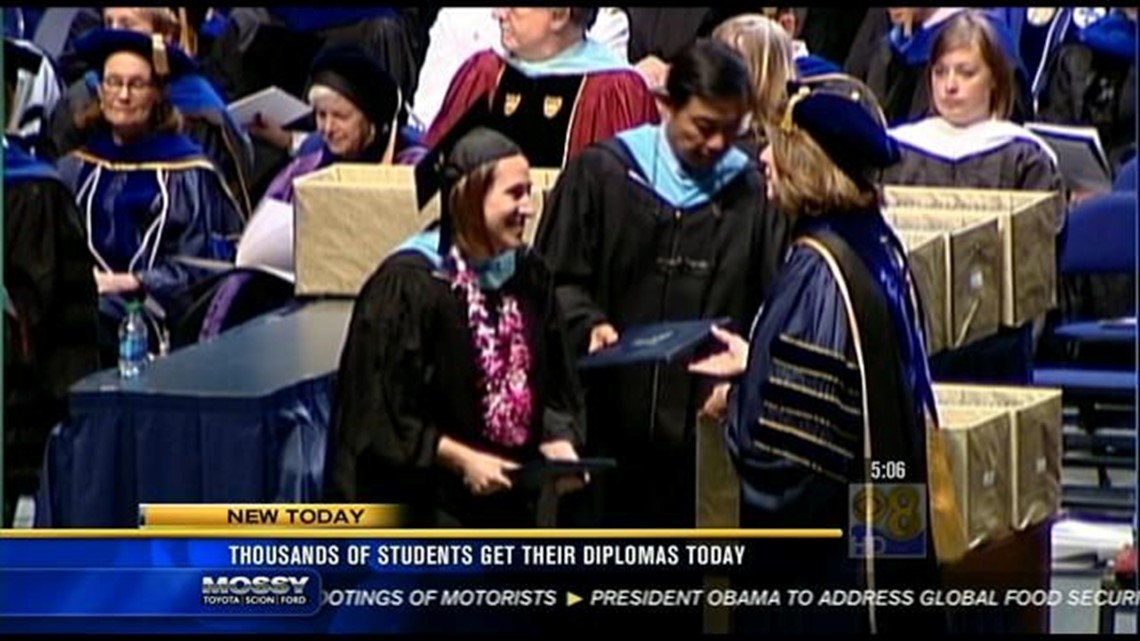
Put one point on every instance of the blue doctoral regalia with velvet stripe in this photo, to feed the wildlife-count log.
(145, 203)
(210, 124)
(808, 410)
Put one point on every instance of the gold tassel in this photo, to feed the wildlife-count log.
(788, 123)
(159, 57)
(187, 39)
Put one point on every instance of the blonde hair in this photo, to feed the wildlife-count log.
(768, 53)
(173, 24)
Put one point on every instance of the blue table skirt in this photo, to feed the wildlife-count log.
(120, 449)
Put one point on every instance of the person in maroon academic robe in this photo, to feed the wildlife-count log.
(555, 92)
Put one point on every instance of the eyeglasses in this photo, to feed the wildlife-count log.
(135, 85)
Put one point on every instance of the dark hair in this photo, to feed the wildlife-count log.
(584, 16)
(973, 28)
(708, 69)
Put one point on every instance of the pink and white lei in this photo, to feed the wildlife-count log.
(507, 399)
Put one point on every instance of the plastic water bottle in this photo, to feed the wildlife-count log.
(132, 342)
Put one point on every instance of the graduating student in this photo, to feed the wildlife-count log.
(661, 223)
(206, 117)
(455, 370)
(555, 91)
(51, 314)
(147, 194)
(833, 374)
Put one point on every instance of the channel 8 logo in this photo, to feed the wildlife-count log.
(897, 520)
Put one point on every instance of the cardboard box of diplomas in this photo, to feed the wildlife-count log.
(977, 444)
(350, 216)
(1028, 222)
(928, 264)
(1035, 443)
(967, 292)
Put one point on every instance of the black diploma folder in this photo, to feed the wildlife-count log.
(538, 473)
(649, 344)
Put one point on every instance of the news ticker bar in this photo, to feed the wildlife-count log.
(302, 592)
(174, 532)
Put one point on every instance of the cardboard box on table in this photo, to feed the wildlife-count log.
(1028, 222)
(977, 444)
(350, 216)
(968, 297)
(926, 253)
(1035, 443)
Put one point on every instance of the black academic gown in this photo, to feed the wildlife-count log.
(51, 342)
(409, 376)
(831, 376)
(989, 155)
(622, 255)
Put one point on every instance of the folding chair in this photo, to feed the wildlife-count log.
(1100, 238)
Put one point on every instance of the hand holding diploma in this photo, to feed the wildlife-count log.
(563, 450)
(727, 363)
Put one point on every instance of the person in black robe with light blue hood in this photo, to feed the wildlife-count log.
(833, 374)
(148, 196)
(660, 223)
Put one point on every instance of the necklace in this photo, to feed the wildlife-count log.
(507, 399)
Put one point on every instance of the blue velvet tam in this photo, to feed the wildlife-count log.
(843, 117)
(168, 61)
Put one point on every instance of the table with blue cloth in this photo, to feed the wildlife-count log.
(240, 419)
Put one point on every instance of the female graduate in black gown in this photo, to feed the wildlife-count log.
(455, 369)
(833, 377)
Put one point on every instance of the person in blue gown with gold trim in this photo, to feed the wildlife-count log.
(148, 196)
(833, 375)
(205, 116)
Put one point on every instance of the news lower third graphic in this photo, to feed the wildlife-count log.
(887, 519)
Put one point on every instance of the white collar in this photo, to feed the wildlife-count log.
(935, 136)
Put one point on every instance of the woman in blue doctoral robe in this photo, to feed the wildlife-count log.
(206, 117)
(832, 382)
(149, 198)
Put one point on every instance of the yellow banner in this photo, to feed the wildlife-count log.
(264, 516)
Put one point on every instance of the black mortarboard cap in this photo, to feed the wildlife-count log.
(350, 71)
(168, 61)
(468, 144)
(842, 115)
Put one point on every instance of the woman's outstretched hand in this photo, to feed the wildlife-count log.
(727, 363)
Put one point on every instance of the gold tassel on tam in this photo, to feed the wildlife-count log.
(159, 59)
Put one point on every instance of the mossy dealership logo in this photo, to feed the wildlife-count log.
(257, 590)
